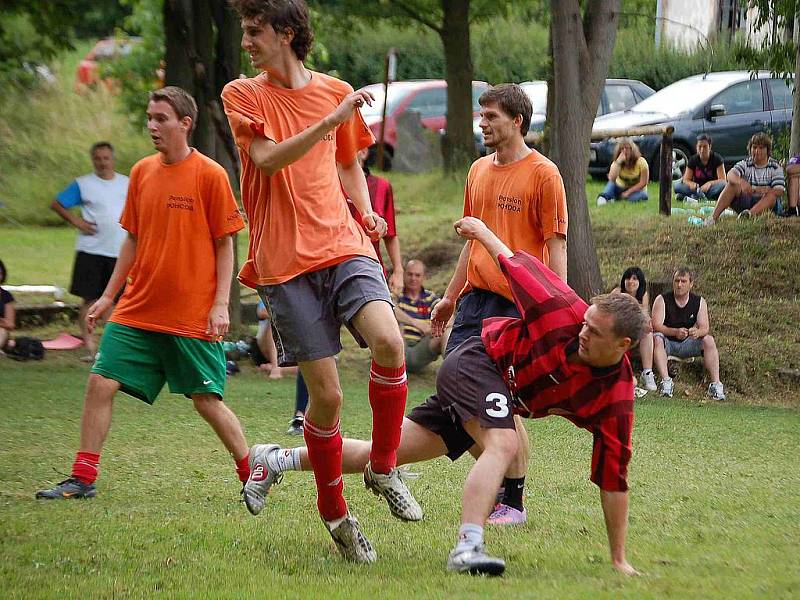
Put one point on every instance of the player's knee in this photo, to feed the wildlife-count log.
(709, 343)
(387, 347)
(206, 404)
(504, 442)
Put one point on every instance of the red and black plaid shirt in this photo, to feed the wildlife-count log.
(531, 353)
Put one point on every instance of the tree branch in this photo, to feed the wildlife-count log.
(414, 14)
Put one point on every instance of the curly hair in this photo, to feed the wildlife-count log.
(280, 15)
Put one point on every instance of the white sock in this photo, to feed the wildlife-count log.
(335, 523)
(469, 536)
(285, 459)
(647, 371)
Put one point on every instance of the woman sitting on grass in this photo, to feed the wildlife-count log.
(7, 311)
(628, 175)
(634, 283)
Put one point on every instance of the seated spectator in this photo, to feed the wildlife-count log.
(634, 283)
(413, 312)
(704, 177)
(628, 175)
(793, 187)
(7, 311)
(754, 184)
(680, 325)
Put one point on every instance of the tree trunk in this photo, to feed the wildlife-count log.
(458, 144)
(582, 48)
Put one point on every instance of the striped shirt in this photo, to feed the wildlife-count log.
(416, 309)
(770, 175)
(532, 352)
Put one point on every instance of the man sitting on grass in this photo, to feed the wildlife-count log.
(413, 312)
(562, 357)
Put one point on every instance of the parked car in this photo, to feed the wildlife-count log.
(88, 73)
(428, 97)
(729, 106)
(618, 94)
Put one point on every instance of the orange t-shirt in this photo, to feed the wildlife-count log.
(299, 221)
(175, 212)
(523, 203)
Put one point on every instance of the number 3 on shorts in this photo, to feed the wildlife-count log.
(498, 405)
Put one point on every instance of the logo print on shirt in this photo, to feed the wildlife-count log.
(181, 202)
(509, 203)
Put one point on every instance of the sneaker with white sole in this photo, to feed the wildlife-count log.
(394, 489)
(649, 380)
(475, 561)
(744, 215)
(351, 543)
(601, 201)
(503, 514)
(716, 391)
(70, 488)
(667, 388)
(262, 477)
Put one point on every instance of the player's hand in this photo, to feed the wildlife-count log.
(470, 228)
(96, 312)
(682, 334)
(693, 333)
(86, 227)
(626, 568)
(351, 102)
(747, 188)
(441, 316)
(396, 282)
(374, 225)
(424, 326)
(706, 186)
(218, 321)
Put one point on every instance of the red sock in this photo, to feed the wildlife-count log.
(243, 468)
(388, 388)
(86, 466)
(325, 454)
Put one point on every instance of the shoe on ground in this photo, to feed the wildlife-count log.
(691, 200)
(791, 211)
(503, 514)
(601, 201)
(649, 380)
(744, 215)
(394, 489)
(261, 479)
(667, 388)
(709, 222)
(68, 489)
(351, 543)
(680, 198)
(475, 561)
(296, 426)
(716, 391)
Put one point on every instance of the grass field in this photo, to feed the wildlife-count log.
(715, 505)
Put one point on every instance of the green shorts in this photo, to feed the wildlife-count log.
(142, 361)
(419, 355)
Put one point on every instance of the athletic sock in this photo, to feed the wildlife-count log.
(243, 468)
(285, 459)
(388, 388)
(325, 454)
(469, 536)
(513, 491)
(85, 467)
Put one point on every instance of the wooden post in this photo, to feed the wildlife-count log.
(389, 74)
(665, 175)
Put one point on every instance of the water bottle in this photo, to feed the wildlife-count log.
(677, 211)
(695, 220)
(706, 211)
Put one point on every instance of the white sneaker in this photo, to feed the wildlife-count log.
(351, 543)
(744, 215)
(709, 222)
(475, 561)
(262, 477)
(601, 201)
(649, 380)
(667, 388)
(394, 489)
(716, 391)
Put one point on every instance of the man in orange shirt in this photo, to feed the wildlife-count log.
(298, 132)
(519, 194)
(179, 216)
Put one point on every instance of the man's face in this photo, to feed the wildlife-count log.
(704, 150)
(413, 277)
(681, 284)
(103, 161)
(165, 129)
(264, 45)
(497, 126)
(759, 153)
(598, 345)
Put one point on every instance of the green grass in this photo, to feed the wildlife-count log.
(714, 505)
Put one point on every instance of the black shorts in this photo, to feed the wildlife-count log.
(473, 307)
(468, 386)
(90, 275)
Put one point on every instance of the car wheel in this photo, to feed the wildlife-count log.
(680, 158)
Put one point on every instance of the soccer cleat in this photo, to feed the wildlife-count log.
(649, 380)
(667, 388)
(475, 561)
(394, 489)
(296, 426)
(503, 514)
(351, 543)
(716, 391)
(68, 489)
(262, 477)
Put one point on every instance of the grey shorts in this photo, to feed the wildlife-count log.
(744, 202)
(419, 354)
(308, 311)
(685, 349)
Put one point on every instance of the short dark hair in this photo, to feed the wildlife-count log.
(281, 15)
(704, 137)
(98, 145)
(760, 139)
(180, 100)
(684, 271)
(512, 100)
(630, 320)
(3, 272)
(639, 274)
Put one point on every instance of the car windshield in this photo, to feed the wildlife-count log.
(395, 96)
(537, 92)
(681, 96)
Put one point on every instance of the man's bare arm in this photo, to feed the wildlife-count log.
(73, 219)
(557, 251)
(444, 309)
(125, 260)
(615, 511)
(218, 316)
